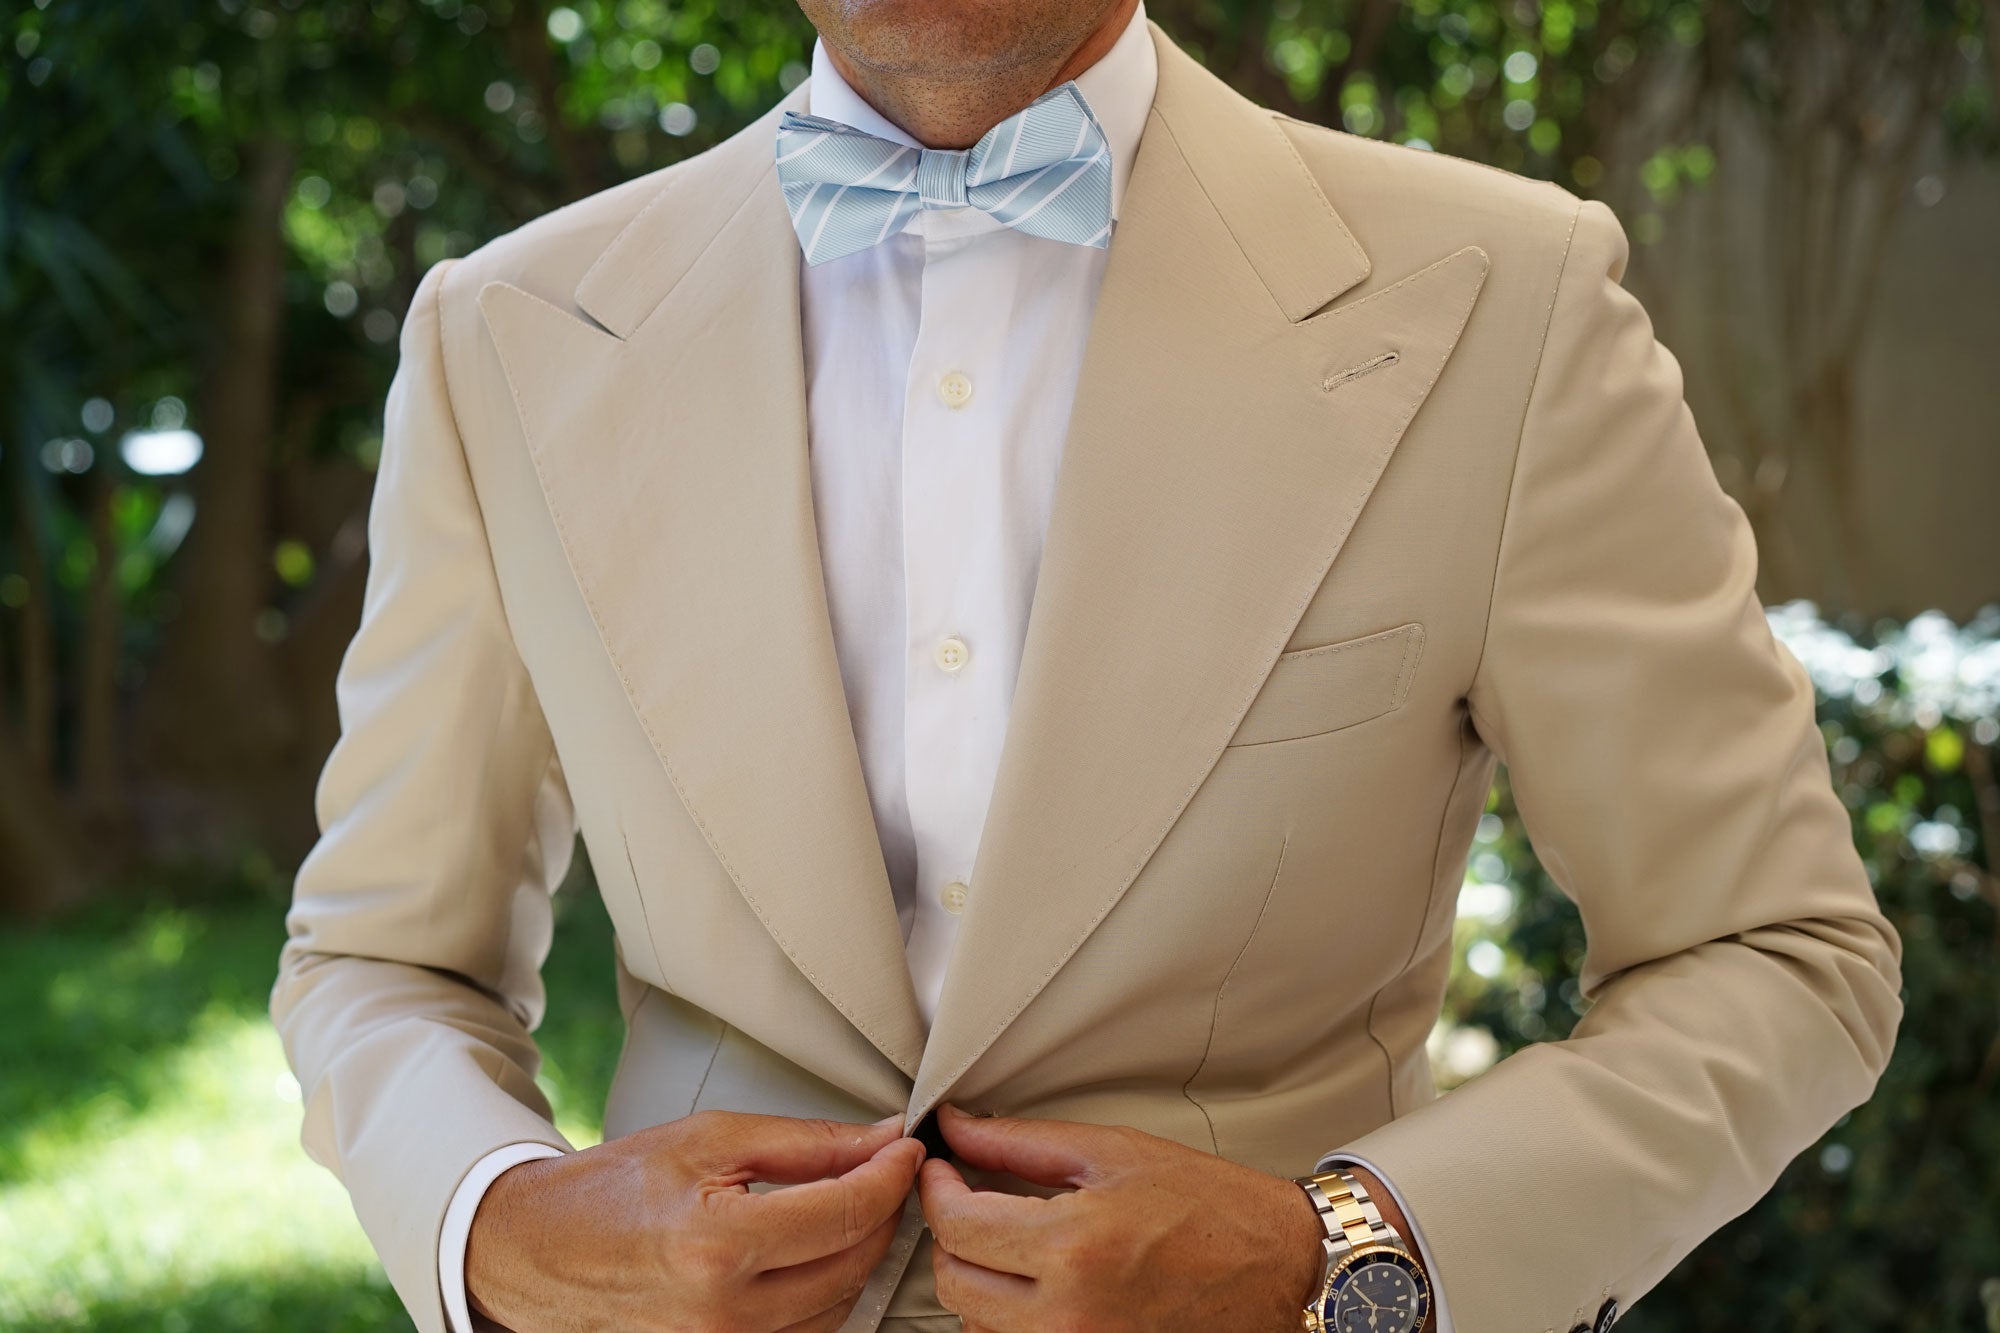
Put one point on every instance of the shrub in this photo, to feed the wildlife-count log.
(1892, 1220)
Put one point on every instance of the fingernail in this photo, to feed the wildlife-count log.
(889, 1121)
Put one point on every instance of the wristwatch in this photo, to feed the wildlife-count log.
(1369, 1281)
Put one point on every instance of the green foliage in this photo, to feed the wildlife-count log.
(414, 129)
(150, 1172)
(1892, 1221)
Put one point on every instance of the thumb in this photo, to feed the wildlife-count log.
(784, 1150)
(1045, 1152)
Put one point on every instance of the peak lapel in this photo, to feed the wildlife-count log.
(670, 440)
(1216, 460)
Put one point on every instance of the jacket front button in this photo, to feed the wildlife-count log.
(928, 1134)
(1607, 1315)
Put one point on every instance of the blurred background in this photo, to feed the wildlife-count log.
(212, 215)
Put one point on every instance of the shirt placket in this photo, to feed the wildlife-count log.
(956, 667)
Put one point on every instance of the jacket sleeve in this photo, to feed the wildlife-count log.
(1664, 754)
(410, 981)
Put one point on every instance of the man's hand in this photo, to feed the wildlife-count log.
(657, 1230)
(1151, 1234)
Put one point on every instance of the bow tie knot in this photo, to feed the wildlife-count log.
(941, 177)
(1045, 170)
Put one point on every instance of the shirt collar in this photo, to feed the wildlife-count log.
(1119, 88)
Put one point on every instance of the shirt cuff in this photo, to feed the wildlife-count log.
(1333, 1159)
(457, 1229)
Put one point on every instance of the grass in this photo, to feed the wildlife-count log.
(150, 1172)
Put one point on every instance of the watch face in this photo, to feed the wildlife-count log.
(1375, 1290)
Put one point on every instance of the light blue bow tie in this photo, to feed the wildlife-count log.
(1045, 170)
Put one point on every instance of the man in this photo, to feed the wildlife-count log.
(1021, 564)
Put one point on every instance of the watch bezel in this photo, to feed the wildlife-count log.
(1359, 1257)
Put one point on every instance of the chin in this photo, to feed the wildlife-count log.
(938, 38)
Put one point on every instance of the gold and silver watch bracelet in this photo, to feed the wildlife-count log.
(1350, 1217)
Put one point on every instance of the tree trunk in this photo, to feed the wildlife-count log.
(214, 715)
(41, 862)
(38, 644)
(97, 704)
(41, 865)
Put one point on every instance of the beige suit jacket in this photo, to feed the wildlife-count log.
(1375, 476)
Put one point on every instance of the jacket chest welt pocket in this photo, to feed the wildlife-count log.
(1312, 691)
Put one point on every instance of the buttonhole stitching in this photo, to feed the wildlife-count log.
(1352, 373)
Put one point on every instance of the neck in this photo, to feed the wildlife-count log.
(953, 111)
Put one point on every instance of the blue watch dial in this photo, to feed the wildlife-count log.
(1376, 1290)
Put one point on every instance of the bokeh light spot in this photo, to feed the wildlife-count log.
(160, 453)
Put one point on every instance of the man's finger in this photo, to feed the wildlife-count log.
(1047, 1152)
(820, 1293)
(781, 1150)
(1002, 1232)
(982, 1298)
(821, 1217)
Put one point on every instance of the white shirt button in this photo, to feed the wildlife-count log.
(952, 896)
(952, 654)
(956, 389)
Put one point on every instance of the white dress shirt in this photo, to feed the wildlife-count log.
(940, 368)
